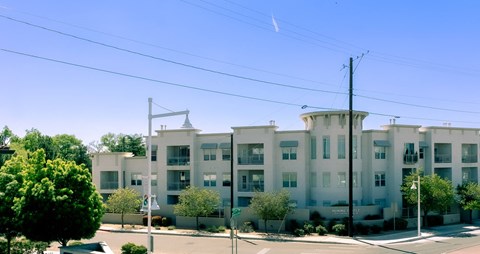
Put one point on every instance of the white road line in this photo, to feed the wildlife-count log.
(264, 251)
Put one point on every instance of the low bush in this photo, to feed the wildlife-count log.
(131, 248)
(156, 220)
(293, 225)
(171, 227)
(222, 228)
(375, 229)
(246, 227)
(166, 221)
(299, 232)
(373, 217)
(212, 229)
(321, 230)
(362, 229)
(331, 223)
(434, 220)
(340, 229)
(22, 246)
(308, 227)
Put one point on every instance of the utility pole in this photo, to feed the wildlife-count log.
(350, 153)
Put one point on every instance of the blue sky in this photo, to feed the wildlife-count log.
(88, 67)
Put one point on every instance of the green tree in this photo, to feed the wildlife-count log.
(34, 140)
(58, 201)
(436, 193)
(124, 143)
(11, 180)
(271, 205)
(197, 202)
(124, 201)
(6, 135)
(469, 197)
(68, 147)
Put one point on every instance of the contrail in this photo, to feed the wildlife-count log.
(275, 25)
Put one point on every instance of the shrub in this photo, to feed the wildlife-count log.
(362, 229)
(340, 229)
(316, 218)
(400, 224)
(145, 220)
(375, 229)
(131, 248)
(293, 225)
(75, 243)
(331, 223)
(213, 229)
(22, 246)
(202, 226)
(308, 227)
(246, 227)
(222, 228)
(156, 220)
(321, 230)
(166, 221)
(171, 227)
(299, 232)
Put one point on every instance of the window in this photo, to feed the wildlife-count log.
(136, 179)
(421, 152)
(250, 154)
(410, 156)
(154, 179)
(289, 180)
(209, 179)
(178, 155)
(154, 153)
(469, 153)
(209, 154)
(313, 179)
(108, 180)
(443, 153)
(289, 153)
(341, 146)
(226, 154)
(326, 179)
(227, 179)
(313, 148)
(380, 152)
(326, 147)
(379, 179)
(342, 180)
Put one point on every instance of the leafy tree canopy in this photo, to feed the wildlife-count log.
(271, 205)
(58, 201)
(436, 193)
(124, 201)
(197, 202)
(124, 143)
(469, 197)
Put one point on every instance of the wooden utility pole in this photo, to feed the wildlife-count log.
(350, 153)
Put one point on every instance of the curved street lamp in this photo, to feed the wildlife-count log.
(414, 187)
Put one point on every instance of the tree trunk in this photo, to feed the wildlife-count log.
(265, 223)
(197, 222)
(471, 216)
(122, 219)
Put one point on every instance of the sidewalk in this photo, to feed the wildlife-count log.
(389, 237)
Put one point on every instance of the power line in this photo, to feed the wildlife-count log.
(170, 61)
(159, 81)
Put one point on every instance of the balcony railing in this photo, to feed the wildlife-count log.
(109, 185)
(178, 161)
(250, 160)
(178, 186)
(443, 158)
(410, 158)
(251, 187)
(469, 158)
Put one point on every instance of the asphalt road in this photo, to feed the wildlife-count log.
(166, 244)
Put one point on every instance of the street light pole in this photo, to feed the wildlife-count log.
(418, 203)
(149, 170)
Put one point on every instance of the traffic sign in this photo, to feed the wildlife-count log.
(236, 212)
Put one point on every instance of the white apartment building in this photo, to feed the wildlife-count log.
(311, 163)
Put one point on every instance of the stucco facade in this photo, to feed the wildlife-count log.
(311, 163)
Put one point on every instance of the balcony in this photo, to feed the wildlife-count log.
(178, 161)
(251, 160)
(410, 158)
(443, 158)
(251, 187)
(469, 158)
(178, 186)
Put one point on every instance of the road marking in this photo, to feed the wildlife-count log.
(264, 251)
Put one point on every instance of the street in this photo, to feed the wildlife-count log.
(173, 244)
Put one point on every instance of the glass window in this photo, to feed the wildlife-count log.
(313, 148)
(342, 179)
(289, 153)
(108, 180)
(289, 180)
(380, 152)
(326, 147)
(226, 154)
(227, 179)
(341, 146)
(326, 179)
(379, 179)
(209, 154)
(313, 179)
(209, 179)
(178, 155)
(136, 179)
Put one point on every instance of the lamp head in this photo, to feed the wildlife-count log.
(414, 187)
